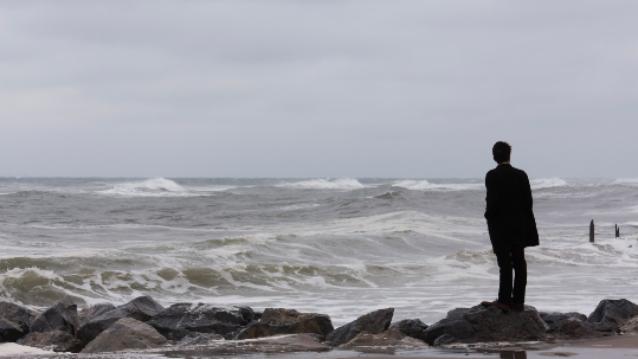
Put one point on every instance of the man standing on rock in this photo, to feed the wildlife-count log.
(511, 225)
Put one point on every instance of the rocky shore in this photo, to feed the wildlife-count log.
(144, 326)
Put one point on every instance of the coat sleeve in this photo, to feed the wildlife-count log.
(490, 198)
(527, 196)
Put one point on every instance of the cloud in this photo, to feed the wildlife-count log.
(315, 88)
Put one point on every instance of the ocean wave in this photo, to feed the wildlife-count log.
(154, 187)
(424, 185)
(626, 181)
(322, 183)
(543, 183)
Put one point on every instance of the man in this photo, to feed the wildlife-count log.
(511, 225)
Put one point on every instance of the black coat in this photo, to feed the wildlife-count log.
(509, 214)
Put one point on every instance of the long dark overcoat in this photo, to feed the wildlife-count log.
(509, 213)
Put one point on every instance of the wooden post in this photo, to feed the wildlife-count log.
(617, 230)
(591, 231)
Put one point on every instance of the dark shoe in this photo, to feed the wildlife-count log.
(500, 305)
(517, 307)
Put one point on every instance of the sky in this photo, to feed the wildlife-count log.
(317, 88)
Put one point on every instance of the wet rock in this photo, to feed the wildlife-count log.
(630, 326)
(10, 331)
(611, 314)
(87, 314)
(141, 308)
(18, 315)
(413, 328)
(181, 319)
(268, 345)
(486, 324)
(569, 325)
(125, 334)
(56, 340)
(63, 316)
(385, 342)
(276, 321)
(374, 322)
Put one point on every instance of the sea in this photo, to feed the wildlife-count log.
(338, 246)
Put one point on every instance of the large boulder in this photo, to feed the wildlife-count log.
(486, 324)
(182, 319)
(373, 323)
(141, 308)
(63, 317)
(275, 321)
(56, 340)
(385, 342)
(10, 331)
(413, 328)
(568, 325)
(125, 334)
(611, 314)
(16, 314)
(88, 313)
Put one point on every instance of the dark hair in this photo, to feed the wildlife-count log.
(501, 152)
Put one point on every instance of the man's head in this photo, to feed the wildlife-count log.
(501, 152)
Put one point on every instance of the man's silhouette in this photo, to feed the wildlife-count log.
(511, 225)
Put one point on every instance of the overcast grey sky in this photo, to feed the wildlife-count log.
(307, 88)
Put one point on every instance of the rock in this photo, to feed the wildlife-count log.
(125, 334)
(63, 316)
(486, 324)
(413, 328)
(181, 319)
(374, 322)
(270, 345)
(385, 342)
(569, 325)
(56, 340)
(275, 321)
(17, 315)
(140, 308)
(199, 339)
(10, 331)
(610, 314)
(87, 314)
(630, 326)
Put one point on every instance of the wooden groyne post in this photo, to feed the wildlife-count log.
(617, 230)
(591, 231)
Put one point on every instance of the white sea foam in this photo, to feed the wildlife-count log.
(554, 182)
(154, 187)
(424, 185)
(323, 183)
(626, 181)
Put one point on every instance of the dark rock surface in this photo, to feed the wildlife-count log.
(374, 322)
(486, 324)
(17, 315)
(611, 314)
(10, 331)
(56, 340)
(275, 321)
(93, 311)
(181, 319)
(141, 308)
(414, 328)
(125, 334)
(569, 325)
(63, 316)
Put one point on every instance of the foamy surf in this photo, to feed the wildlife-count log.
(326, 184)
(425, 185)
(544, 183)
(154, 187)
(13, 350)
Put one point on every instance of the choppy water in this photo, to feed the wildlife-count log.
(336, 246)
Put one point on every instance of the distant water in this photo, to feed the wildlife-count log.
(337, 246)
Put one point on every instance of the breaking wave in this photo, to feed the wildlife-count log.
(542, 183)
(322, 183)
(424, 185)
(154, 187)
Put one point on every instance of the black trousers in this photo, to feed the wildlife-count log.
(511, 259)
